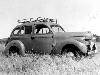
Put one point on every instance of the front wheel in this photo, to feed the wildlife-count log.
(72, 51)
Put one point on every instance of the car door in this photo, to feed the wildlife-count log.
(42, 39)
(25, 36)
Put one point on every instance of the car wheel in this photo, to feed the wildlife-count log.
(15, 46)
(73, 52)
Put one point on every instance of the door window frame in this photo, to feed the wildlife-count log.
(50, 31)
(18, 33)
(24, 30)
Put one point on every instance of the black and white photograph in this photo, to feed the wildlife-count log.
(49, 37)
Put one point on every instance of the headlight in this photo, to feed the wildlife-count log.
(94, 38)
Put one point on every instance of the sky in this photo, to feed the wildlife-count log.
(72, 15)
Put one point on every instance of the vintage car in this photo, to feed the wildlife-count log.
(46, 36)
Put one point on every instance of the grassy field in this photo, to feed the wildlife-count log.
(46, 65)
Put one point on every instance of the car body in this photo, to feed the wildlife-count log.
(48, 37)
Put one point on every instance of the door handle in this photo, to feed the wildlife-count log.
(52, 36)
(32, 37)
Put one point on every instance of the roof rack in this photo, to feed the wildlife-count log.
(39, 19)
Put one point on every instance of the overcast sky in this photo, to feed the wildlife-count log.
(73, 15)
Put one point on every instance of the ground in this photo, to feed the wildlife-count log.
(46, 65)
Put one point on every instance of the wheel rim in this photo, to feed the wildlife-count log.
(13, 50)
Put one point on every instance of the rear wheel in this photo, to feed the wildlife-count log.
(14, 50)
(13, 47)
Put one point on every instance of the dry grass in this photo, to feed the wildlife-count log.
(47, 65)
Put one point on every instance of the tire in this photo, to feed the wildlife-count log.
(15, 46)
(74, 50)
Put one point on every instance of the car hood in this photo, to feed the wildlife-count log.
(74, 34)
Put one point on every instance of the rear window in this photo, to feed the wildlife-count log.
(16, 31)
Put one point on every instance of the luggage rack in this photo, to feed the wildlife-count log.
(39, 19)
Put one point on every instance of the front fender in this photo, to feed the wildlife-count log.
(59, 45)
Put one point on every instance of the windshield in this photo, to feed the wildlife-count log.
(57, 28)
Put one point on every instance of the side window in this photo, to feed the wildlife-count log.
(22, 31)
(16, 31)
(41, 29)
(28, 29)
